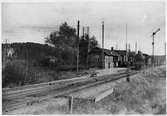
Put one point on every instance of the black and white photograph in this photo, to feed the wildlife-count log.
(83, 57)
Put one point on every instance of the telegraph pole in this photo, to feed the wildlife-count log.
(126, 37)
(126, 45)
(83, 31)
(88, 47)
(165, 49)
(165, 53)
(129, 46)
(136, 47)
(127, 62)
(6, 47)
(102, 44)
(77, 45)
(5, 50)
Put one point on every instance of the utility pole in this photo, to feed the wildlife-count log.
(126, 37)
(77, 45)
(5, 50)
(6, 47)
(83, 31)
(126, 45)
(127, 51)
(27, 63)
(165, 52)
(129, 46)
(88, 30)
(153, 34)
(136, 47)
(88, 47)
(165, 49)
(102, 44)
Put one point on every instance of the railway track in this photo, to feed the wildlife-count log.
(38, 88)
(8, 90)
(39, 94)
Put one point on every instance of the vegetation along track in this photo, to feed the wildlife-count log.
(37, 95)
(19, 92)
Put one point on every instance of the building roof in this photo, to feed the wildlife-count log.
(106, 51)
(146, 55)
(120, 52)
(115, 53)
(132, 53)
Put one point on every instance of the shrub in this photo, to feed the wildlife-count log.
(13, 74)
(47, 61)
(44, 61)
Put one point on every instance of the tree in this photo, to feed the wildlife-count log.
(83, 47)
(64, 41)
(65, 37)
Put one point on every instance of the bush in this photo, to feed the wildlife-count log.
(69, 67)
(13, 74)
(44, 61)
(47, 61)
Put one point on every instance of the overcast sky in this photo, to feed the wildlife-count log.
(23, 22)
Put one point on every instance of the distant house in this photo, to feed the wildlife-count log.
(115, 57)
(125, 57)
(159, 59)
(122, 57)
(131, 58)
(96, 58)
(147, 59)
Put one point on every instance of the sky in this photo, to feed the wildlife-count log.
(32, 22)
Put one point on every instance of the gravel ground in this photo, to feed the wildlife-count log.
(144, 94)
(102, 72)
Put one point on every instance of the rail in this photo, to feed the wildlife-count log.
(20, 92)
(56, 91)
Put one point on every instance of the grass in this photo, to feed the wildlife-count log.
(140, 96)
(17, 73)
(144, 94)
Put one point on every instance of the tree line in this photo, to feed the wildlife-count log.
(65, 43)
(61, 45)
